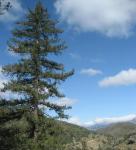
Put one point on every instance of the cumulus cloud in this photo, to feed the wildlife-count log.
(125, 77)
(111, 120)
(8, 94)
(91, 72)
(74, 120)
(102, 121)
(2, 79)
(14, 13)
(65, 101)
(109, 17)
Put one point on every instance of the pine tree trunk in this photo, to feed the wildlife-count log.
(35, 124)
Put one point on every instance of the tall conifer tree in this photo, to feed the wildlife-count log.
(35, 77)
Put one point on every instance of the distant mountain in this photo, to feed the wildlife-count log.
(98, 126)
(117, 136)
(104, 124)
(119, 129)
(133, 121)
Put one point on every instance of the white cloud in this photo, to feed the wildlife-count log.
(11, 53)
(111, 120)
(91, 72)
(8, 94)
(14, 13)
(102, 121)
(2, 79)
(74, 120)
(61, 102)
(110, 17)
(126, 77)
(65, 101)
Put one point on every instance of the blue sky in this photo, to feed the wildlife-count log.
(101, 48)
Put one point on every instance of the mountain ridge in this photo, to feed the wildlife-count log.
(105, 124)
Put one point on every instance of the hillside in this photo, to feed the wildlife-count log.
(54, 135)
(119, 129)
(58, 135)
(121, 136)
(71, 131)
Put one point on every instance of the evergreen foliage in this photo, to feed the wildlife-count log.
(52, 135)
(35, 78)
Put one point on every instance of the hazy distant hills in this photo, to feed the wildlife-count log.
(119, 129)
(104, 125)
(98, 126)
(133, 121)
